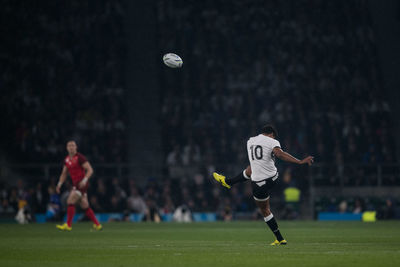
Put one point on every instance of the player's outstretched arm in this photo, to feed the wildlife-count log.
(62, 179)
(279, 153)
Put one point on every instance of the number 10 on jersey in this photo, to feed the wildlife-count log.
(256, 152)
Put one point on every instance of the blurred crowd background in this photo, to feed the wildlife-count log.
(165, 197)
(63, 66)
(309, 67)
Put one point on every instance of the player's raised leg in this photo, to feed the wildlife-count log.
(89, 212)
(270, 221)
(73, 198)
(228, 182)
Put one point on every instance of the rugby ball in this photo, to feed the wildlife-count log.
(172, 60)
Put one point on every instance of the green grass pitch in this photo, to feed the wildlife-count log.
(202, 244)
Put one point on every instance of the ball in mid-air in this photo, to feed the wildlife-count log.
(172, 60)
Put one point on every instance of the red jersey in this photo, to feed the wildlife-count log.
(74, 166)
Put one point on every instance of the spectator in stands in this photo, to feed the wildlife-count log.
(117, 188)
(54, 205)
(117, 204)
(167, 205)
(358, 206)
(95, 204)
(182, 214)
(225, 210)
(38, 198)
(152, 213)
(291, 196)
(388, 211)
(102, 194)
(135, 202)
(13, 200)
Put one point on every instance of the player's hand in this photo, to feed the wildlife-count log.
(308, 160)
(58, 189)
(83, 183)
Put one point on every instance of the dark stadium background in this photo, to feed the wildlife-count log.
(325, 73)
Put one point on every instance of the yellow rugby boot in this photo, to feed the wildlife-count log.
(64, 227)
(279, 243)
(275, 243)
(97, 227)
(220, 179)
(283, 242)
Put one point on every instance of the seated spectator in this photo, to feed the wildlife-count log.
(225, 210)
(135, 202)
(24, 212)
(343, 206)
(168, 205)
(116, 204)
(5, 207)
(388, 211)
(182, 214)
(13, 199)
(38, 199)
(117, 188)
(102, 194)
(152, 214)
(358, 207)
(94, 203)
(54, 205)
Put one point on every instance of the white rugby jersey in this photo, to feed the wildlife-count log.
(262, 160)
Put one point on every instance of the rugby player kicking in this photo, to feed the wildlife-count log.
(262, 150)
(80, 171)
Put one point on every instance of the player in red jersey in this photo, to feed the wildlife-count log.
(80, 171)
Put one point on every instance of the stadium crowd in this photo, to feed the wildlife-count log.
(310, 67)
(166, 196)
(313, 74)
(62, 65)
(125, 196)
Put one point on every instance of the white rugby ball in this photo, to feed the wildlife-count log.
(172, 60)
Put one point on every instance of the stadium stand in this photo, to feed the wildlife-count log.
(65, 78)
(313, 74)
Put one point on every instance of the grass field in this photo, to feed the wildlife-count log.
(202, 244)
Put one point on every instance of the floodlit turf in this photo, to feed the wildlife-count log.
(202, 244)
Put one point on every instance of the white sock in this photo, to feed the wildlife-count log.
(269, 217)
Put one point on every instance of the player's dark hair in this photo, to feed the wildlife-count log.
(269, 129)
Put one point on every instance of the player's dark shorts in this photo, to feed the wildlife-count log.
(262, 189)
